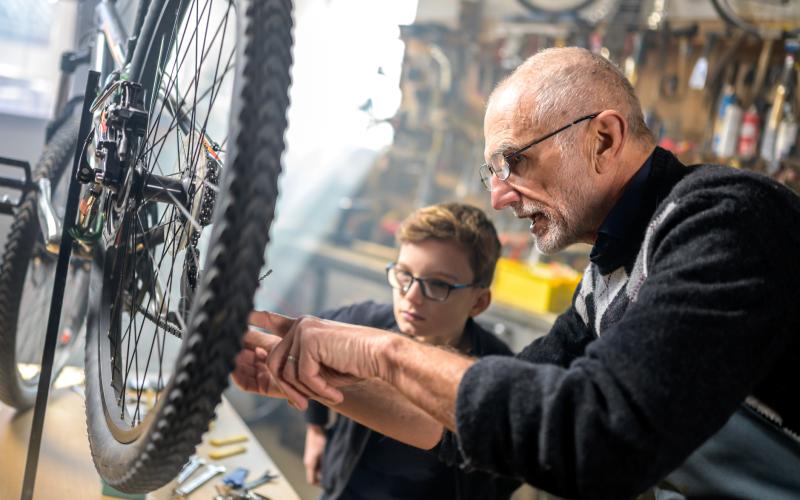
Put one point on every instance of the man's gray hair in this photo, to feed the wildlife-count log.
(563, 84)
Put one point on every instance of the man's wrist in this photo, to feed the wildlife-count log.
(389, 350)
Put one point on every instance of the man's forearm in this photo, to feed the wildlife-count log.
(380, 407)
(427, 376)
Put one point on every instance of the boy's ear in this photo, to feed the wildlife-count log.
(481, 302)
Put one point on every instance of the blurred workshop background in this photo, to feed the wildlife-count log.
(386, 116)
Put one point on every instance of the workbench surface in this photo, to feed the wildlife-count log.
(65, 465)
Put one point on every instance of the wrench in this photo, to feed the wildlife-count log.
(209, 472)
(267, 477)
(192, 465)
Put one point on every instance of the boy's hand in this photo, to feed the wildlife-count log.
(312, 456)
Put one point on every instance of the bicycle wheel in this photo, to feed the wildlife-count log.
(184, 234)
(580, 11)
(26, 281)
(761, 17)
(555, 6)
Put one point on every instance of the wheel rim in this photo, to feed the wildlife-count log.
(34, 313)
(153, 244)
(760, 16)
(557, 6)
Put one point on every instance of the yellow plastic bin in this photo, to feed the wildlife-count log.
(543, 288)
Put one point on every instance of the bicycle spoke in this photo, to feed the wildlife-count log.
(175, 71)
(161, 234)
(154, 236)
(141, 380)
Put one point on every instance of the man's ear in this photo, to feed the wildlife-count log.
(482, 301)
(610, 134)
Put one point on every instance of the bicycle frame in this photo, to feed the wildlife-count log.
(111, 35)
(112, 53)
(111, 56)
(113, 38)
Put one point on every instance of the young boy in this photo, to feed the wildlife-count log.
(440, 281)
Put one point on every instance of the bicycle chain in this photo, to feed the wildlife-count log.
(164, 324)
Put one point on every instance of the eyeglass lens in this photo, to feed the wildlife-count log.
(431, 288)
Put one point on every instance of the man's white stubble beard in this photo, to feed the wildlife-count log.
(562, 225)
(552, 240)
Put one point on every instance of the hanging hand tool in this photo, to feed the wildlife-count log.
(671, 85)
(775, 118)
(634, 48)
(761, 73)
(719, 71)
(700, 72)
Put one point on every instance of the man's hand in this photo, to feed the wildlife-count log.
(317, 356)
(312, 456)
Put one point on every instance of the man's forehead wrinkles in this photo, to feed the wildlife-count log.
(510, 132)
(501, 135)
(509, 121)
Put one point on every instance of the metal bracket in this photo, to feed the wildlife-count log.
(8, 204)
(71, 60)
(65, 250)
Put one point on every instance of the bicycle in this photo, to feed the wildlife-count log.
(28, 270)
(763, 18)
(175, 211)
(582, 12)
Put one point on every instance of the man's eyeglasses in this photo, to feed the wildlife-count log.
(500, 163)
(432, 288)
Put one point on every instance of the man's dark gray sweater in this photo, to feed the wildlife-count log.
(693, 309)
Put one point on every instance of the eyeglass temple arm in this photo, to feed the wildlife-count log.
(551, 134)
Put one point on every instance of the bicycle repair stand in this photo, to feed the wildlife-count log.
(7, 204)
(65, 251)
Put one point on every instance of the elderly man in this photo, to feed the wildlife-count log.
(679, 357)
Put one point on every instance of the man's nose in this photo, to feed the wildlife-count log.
(502, 194)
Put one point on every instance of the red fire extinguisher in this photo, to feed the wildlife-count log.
(748, 134)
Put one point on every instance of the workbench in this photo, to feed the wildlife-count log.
(66, 470)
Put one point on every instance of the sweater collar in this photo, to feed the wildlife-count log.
(620, 234)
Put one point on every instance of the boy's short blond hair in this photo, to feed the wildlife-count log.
(464, 225)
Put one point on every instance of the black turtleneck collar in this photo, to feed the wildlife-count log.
(621, 232)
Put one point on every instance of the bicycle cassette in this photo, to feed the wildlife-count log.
(202, 191)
